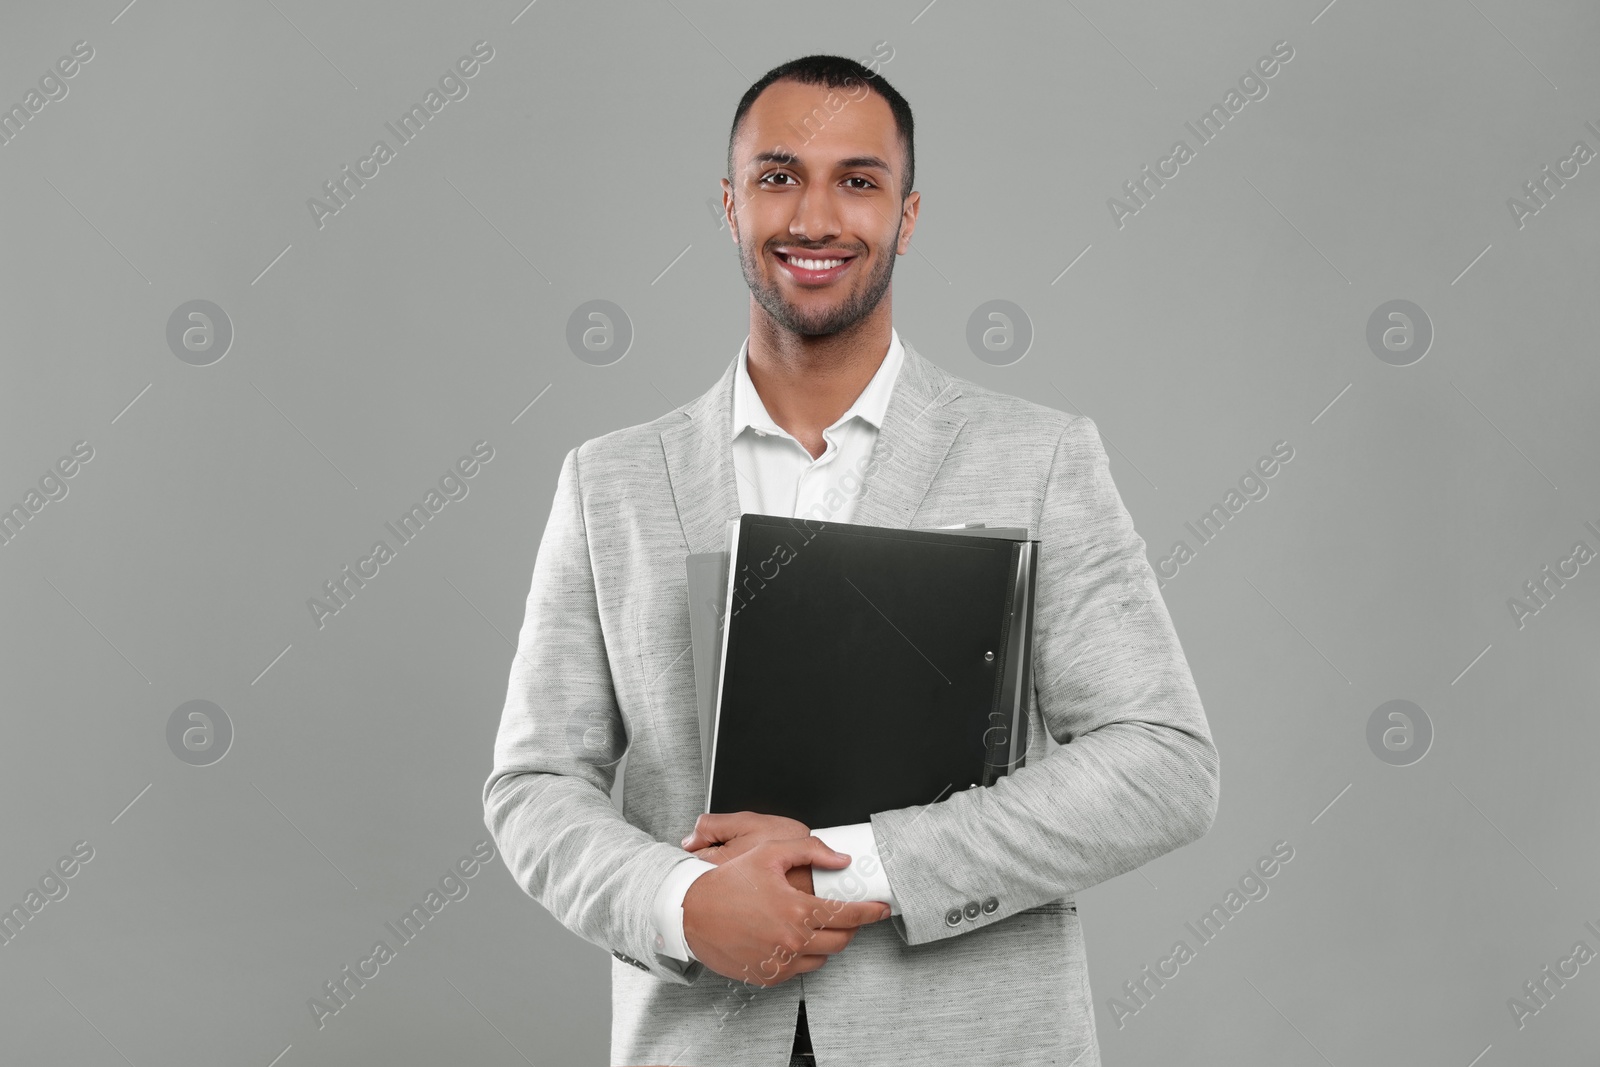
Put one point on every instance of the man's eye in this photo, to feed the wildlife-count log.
(869, 183)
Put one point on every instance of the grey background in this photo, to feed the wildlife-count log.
(369, 355)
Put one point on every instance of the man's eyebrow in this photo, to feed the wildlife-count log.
(789, 159)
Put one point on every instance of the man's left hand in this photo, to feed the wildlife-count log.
(723, 836)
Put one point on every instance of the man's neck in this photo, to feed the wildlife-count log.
(806, 383)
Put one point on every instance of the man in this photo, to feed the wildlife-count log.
(777, 945)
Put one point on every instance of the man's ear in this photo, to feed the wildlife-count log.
(908, 221)
(729, 211)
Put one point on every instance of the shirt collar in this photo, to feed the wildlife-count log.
(749, 411)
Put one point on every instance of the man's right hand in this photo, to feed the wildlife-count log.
(745, 921)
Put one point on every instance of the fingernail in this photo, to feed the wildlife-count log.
(686, 840)
(884, 914)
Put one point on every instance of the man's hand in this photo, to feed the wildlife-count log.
(717, 838)
(745, 921)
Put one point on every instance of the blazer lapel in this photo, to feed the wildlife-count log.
(916, 434)
(918, 429)
(699, 449)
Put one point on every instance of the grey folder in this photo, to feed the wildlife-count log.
(710, 603)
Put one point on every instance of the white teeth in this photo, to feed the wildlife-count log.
(815, 264)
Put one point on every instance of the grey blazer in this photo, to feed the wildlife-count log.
(985, 964)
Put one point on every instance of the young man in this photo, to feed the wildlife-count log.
(750, 940)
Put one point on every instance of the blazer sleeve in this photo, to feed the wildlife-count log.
(547, 800)
(1136, 774)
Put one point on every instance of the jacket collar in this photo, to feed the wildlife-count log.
(748, 410)
(917, 431)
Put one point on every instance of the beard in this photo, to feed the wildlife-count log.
(814, 322)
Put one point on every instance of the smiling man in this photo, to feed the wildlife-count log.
(745, 939)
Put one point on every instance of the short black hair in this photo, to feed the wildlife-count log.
(835, 72)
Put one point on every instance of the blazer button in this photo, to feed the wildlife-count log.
(971, 910)
(952, 917)
(991, 906)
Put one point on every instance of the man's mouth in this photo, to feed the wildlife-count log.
(817, 269)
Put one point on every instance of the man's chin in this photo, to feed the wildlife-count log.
(806, 326)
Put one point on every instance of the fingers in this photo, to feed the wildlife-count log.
(807, 964)
(801, 954)
(801, 851)
(726, 827)
(711, 829)
(846, 915)
(826, 942)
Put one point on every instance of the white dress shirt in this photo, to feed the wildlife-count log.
(777, 476)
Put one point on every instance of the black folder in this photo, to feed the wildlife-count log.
(865, 668)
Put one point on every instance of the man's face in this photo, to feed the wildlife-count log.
(817, 177)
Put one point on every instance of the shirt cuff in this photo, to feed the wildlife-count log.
(666, 914)
(864, 878)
